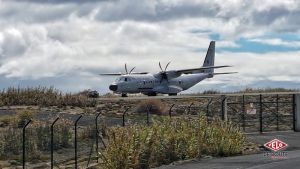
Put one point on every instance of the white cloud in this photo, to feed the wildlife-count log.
(41, 39)
(277, 42)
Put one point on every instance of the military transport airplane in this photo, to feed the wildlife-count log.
(166, 81)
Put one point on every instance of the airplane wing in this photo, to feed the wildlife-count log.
(110, 74)
(119, 74)
(189, 71)
(225, 73)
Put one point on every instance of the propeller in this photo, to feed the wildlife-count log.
(163, 73)
(126, 70)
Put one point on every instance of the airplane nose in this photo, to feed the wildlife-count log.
(113, 87)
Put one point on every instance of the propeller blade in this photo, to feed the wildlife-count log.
(160, 66)
(131, 70)
(167, 66)
(164, 76)
(126, 69)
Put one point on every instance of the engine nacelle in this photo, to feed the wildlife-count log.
(171, 74)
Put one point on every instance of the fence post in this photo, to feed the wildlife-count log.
(24, 148)
(296, 112)
(260, 114)
(224, 108)
(189, 108)
(207, 109)
(244, 114)
(123, 116)
(52, 146)
(75, 140)
(97, 135)
(277, 112)
(170, 110)
(148, 114)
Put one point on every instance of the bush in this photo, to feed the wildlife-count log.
(24, 116)
(155, 105)
(168, 140)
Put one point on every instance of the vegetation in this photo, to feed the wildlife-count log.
(42, 96)
(155, 106)
(140, 146)
(38, 134)
(247, 90)
(267, 90)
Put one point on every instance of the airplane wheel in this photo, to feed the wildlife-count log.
(172, 94)
(152, 94)
(124, 95)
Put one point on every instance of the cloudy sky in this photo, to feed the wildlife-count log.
(66, 43)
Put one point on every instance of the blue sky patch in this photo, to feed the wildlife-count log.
(257, 47)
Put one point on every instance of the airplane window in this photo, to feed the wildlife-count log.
(120, 79)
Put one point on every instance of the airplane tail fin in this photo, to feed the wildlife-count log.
(210, 58)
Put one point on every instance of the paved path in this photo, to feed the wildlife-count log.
(254, 161)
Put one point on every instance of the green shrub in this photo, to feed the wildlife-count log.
(165, 141)
(24, 116)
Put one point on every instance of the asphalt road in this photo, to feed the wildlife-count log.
(254, 161)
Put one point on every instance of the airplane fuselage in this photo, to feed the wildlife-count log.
(151, 84)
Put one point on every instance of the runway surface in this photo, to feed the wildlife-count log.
(143, 97)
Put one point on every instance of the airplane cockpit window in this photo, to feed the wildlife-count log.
(118, 79)
(124, 79)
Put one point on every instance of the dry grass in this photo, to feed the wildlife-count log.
(42, 96)
(38, 139)
(165, 141)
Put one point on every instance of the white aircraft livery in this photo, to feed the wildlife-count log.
(166, 81)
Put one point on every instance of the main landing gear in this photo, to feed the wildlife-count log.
(124, 95)
(172, 94)
(151, 94)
